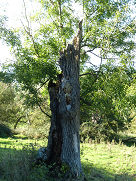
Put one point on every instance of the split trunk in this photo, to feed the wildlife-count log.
(64, 142)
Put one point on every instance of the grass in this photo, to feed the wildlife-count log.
(101, 161)
(17, 158)
(18, 142)
(109, 161)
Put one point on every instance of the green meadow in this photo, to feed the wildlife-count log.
(104, 161)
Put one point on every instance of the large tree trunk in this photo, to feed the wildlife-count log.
(64, 142)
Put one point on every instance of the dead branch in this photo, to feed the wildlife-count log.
(28, 30)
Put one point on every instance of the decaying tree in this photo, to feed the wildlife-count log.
(64, 142)
(36, 54)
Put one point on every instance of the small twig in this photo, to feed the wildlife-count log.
(43, 84)
(92, 64)
(52, 3)
(94, 54)
(3, 176)
(43, 110)
(98, 72)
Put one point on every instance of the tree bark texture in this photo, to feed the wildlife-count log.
(64, 143)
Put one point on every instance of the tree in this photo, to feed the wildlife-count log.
(7, 106)
(12, 110)
(64, 142)
(107, 27)
(107, 108)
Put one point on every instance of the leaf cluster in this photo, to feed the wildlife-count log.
(105, 102)
(108, 27)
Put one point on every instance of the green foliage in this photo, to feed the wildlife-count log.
(106, 105)
(8, 108)
(108, 91)
(5, 131)
(103, 161)
(65, 168)
(131, 92)
(102, 130)
(108, 24)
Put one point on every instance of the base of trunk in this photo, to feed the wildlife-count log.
(59, 171)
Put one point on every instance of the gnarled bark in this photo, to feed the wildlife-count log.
(64, 142)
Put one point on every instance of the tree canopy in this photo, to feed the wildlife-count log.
(107, 90)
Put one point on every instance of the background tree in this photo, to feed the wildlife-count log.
(8, 109)
(11, 108)
(13, 113)
(105, 105)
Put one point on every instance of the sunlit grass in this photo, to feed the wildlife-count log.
(112, 159)
(100, 161)
(19, 141)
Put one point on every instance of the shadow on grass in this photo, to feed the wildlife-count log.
(92, 172)
(129, 141)
(20, 137)
(18, 165)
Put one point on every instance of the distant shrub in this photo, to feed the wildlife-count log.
(34, 131)
(5, 131)
(96, 131)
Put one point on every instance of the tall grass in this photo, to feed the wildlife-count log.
(101, 161)
(16, 165)
(109, 161)
(17, 159)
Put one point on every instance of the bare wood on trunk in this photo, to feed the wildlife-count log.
(64, 142)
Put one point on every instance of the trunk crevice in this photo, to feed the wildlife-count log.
(64, 141)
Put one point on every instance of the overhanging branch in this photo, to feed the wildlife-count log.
(43, 84)
(35, 93)
(40, 106)
(43, 110)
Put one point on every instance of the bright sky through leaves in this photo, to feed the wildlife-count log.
(15, 11)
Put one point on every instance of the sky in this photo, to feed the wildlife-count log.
(15, 10)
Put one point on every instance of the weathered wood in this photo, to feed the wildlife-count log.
(64, 142)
